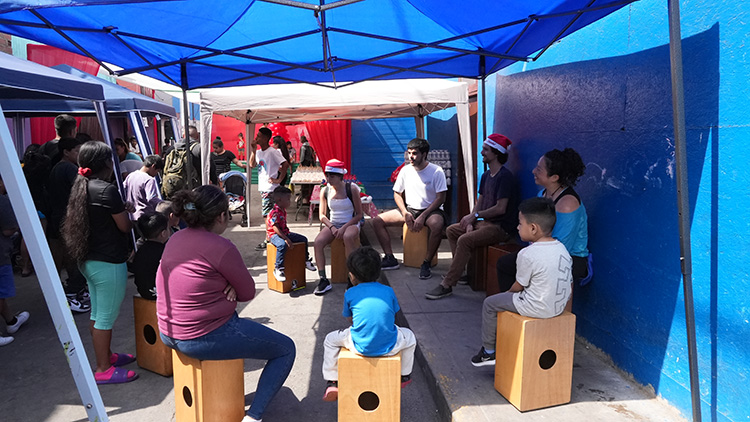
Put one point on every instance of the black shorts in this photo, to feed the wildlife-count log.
(417, 213)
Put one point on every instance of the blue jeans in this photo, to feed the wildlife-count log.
(281, 246)
(241, 338)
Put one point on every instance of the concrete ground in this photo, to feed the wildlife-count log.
(36, 383)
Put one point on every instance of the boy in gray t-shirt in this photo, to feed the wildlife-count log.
(543, 276)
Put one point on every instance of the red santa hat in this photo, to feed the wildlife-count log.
(335, 166)
(499, 142)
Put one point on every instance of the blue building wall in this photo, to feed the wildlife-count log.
(378, 147)
(606, 92)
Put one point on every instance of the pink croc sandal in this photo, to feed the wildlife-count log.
(121, 359)
(115, 375)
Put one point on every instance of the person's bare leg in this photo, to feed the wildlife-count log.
(350, 239)
(323, 239)
(436, 223)
(380, 226)
(102, 340)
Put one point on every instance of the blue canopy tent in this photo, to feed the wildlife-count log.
(338, 42)
(120, 102)
(37, 84)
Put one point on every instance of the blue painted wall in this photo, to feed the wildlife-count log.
(378, 147)
(606, 92)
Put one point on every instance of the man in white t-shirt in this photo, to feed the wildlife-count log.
(272, 167)
(419, 192)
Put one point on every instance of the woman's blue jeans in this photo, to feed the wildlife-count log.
(281, 246)
(241, 338)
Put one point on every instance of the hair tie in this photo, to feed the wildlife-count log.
(190, 206)
(84, 171)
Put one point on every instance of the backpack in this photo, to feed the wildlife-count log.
(175, 171)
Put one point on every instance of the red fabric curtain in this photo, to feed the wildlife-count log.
(331, 139)
(43, 128)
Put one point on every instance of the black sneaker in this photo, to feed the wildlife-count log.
(260, 246)
(389, 263)
(483, 358)
(424, 271)
(439, 292)
(323, 286)
(464, 279)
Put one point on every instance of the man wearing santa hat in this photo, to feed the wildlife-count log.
(494, 218)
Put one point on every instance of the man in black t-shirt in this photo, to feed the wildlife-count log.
(65, 127)
(61, 180)
(223, 159)
(493, 219)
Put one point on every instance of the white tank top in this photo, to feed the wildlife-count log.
(342, 210)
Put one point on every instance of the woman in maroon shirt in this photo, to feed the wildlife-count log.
(200, 278)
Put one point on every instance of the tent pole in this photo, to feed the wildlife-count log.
(49, 278)
(683, 204)
(249, 136)
(186, 119)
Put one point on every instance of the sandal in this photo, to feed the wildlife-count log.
(121, 359)
(114, 376)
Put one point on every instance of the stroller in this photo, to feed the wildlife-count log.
(234, 183)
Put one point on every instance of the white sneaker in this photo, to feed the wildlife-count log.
(279, 274)
(21, 318)
(310, 266)
(4, 341)
(249, 419)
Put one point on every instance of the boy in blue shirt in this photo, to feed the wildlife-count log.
(371, 309)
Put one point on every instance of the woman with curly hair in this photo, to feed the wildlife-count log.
(95, 233)
(557, 172)
(200, 278)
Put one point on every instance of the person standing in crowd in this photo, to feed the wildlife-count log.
(494, 218)
(306, 159)
(141, 189)
(61, 180)
(8, 227)
(241, 146)
(419, 193)
(224, 158)
(96, 234)
(292, 152)
(123, 151)
(200, 278)
(280, 144)
(134, 148)
(65, 127)
(271, 170)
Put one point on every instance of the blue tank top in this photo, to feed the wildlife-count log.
(571, 228)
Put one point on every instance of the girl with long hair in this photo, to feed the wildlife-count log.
(95, 233)
(280, 144)
(200, 278)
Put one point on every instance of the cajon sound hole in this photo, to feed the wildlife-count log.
(547, 359)
(368, 401)
(149, 334)
(187, 396)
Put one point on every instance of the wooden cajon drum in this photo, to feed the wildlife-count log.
(493, 254)
(150, 352)
(534, 359)
(339, 271)
(294, 268)
(208, 390)
(369, 388)
(415, 247)
(476, 269)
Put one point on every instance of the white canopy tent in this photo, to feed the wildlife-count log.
(20, 79)
(366, 100)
